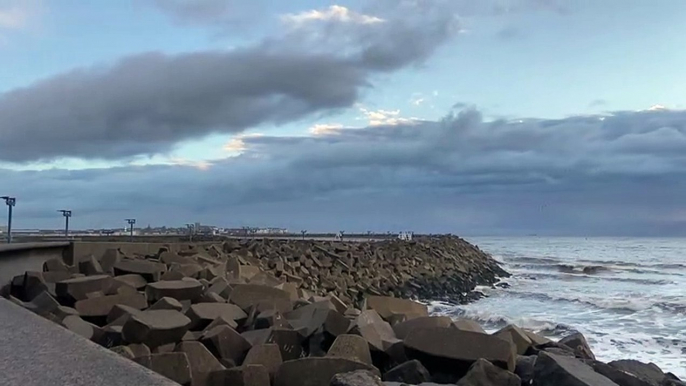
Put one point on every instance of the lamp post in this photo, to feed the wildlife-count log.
(10, 202)
(303, 232)
(132, 222)
(190, 231)
(67, 215)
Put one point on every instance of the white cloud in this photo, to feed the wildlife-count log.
(325, 129)
(385, 117)
(333, 13)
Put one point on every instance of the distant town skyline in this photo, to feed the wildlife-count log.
(489, 117)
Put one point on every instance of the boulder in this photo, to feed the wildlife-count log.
(134, 280)
(536, 339)
(402, 329)
(202, 314)
(139, 350)
(187, 270)
(167, 303)
(388, 306)
(90, 266)
(525, 368)
(312, 317)
(468, 325)
(43, 304)
(149, 270)
(316, 371)
(225, 342)
(518, 337)
(120, 313)
(356, 378)
(109, 259)
(201, 360)
(484, 373)
(620, 377)
(453, 351)
(267, 355)
(221, 321)
(169, 258)
(123, 351)
(289, 341)
(75, 289)
(578, 342)
(101, 306)
(648, 372)
(177, 289)
(412, 372)
(79, 326)
(250, 375)
(62, 312)
(156, 327)
(375, 330)
(556, 370)
(351, 347)
(271, 318)
(174, 366)
(264, 297)
(55, 265)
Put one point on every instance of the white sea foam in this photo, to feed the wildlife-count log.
(634, 307)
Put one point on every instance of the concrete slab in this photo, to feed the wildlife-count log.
(38, 352)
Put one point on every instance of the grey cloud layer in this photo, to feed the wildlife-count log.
(145, 104)
(623, 174)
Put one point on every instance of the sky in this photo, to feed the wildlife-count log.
(488, 117)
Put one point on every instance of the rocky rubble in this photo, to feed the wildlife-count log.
(278, 313)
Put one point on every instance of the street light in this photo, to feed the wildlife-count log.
(10, 202)
(67, 215)
(303, 232)
(190, 231)
(132, 222)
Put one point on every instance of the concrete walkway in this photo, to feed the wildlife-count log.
(37, 352)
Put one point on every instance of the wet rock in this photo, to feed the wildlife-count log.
(525, 368)
(518, 337)
(375, 330)
(316, 371)
(250, 375)
(484, 373)
(351, 347)
(648, 372)
(356, 378)
(578, 343)
(412, 372)
(536, 339)
(620, 377)
(155, 328)
(556, 370)
(402, 329)
(201, 361)
(225, 342)
(452, 351)
(174, 366)
(202, 314)
(468, 325)
(178, 289)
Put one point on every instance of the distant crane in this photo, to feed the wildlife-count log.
(67, 215)
(10, 202)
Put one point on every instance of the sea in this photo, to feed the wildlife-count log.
(626, 295)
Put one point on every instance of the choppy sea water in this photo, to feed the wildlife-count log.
(629, 302)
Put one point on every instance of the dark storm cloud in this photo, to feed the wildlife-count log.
(615, 174)
(145, 104)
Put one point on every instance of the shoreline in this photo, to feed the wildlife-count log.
(269, 310)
